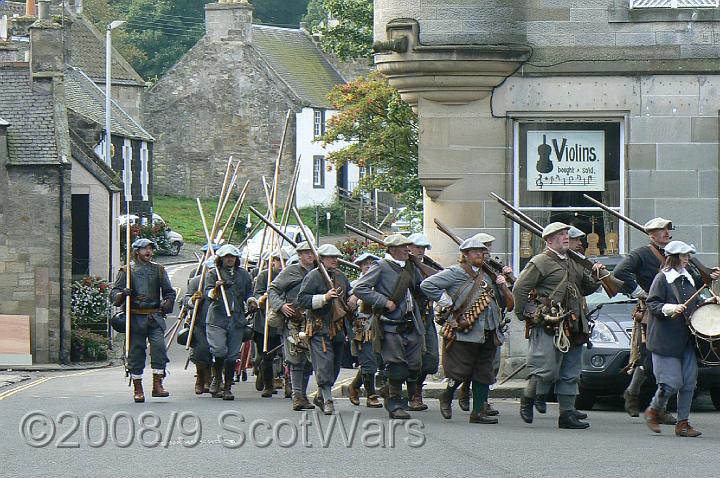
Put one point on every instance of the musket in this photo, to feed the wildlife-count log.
(609, 282)
(339, 307)
(495, 264)
(424, 268)
(702, 269)
(509, 299)
(289, 239)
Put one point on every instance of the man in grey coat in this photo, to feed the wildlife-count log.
(290, 319)
(327, 337)
(391, 288)
(554, 357)
(151, 297)
(473, 329)
(225, 333)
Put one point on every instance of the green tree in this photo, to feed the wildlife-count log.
(384, 131)
(350, 35)
(279, 12)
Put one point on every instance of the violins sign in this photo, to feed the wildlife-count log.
(565, 160)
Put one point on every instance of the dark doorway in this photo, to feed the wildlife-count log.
(80, 234)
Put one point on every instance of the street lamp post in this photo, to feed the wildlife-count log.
(108, 86)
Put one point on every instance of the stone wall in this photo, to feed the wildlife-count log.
(30, 253)
(218, 101)
(560, 30)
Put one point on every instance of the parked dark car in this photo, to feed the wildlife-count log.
(602, 363)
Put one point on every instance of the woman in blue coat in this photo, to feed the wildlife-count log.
(671, 304)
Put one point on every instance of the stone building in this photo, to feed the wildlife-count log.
(543, 100)
(229, 95)
(58, 198)
(84, 48)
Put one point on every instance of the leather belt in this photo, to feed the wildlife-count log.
(140, 311)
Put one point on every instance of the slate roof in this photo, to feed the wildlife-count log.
(29, 110)
(86, 46)
(298, 62)
(84, 155)
(86, 50)
(86, 99)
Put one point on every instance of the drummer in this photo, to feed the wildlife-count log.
(672, 300)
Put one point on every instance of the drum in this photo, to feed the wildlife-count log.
(705, 327)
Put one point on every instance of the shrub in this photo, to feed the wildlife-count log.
(90, 301)
(87, 346)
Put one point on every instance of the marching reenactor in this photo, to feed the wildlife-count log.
(286, 315)
(472, 308)
(431, 356)
(671, 300)
(152, 296)
(267, 359)
(638, 270)
(325, 324)
(225, 334)
(388, 288)
(200, 349)
(463, 394)
(558, 327)
(361, 343)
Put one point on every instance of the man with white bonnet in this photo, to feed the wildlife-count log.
(473, 327)
(391, 288)
(327, 337)
(266, 375)
(225, 333)
(463, 393)
(553, 356)
(361, 343)
(289, 317)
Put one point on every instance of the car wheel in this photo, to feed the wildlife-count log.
(715, 397)
(585, 400)
(175, 248)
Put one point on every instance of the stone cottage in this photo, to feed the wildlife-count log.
(58, 198)
(542, 101)
(228, 96)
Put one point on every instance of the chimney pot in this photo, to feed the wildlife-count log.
(43, 9)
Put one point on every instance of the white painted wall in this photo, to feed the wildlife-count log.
(306, 149)
(85, 183)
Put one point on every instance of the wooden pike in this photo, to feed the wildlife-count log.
(212, 254)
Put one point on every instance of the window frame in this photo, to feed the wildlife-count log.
(564, 119)
(320, 182)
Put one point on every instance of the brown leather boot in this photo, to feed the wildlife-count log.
(138, 394)
(158, 390)
(199, 379)
(651, 419)
(488, 409)
(298, 403)
(372, 399)
(416, 401)
(288, 387)
(683, 429)
(666, 418)
(354, 389)
(632, 404)
(216, 383)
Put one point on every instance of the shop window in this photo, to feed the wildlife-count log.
(558, 162)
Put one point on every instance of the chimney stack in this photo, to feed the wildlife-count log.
(47, 54)
(229, 20)
(30, 9)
